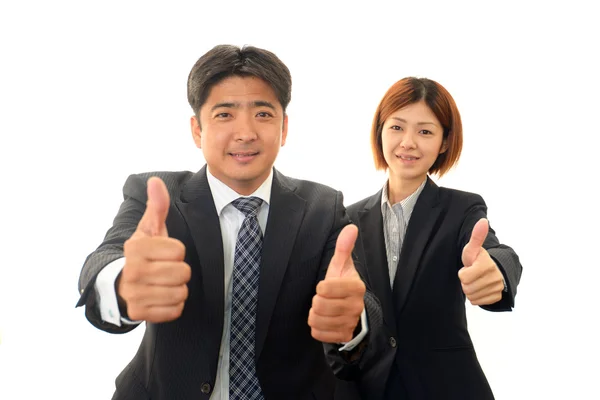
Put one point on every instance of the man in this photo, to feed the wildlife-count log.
(227, 265)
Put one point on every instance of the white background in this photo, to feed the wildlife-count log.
(93, 91)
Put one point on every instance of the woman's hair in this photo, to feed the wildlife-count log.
(412, 90)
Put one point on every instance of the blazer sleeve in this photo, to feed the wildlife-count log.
(124, 225)
(346, 364)
(504, 256)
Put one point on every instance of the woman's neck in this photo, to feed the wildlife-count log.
(399, 189)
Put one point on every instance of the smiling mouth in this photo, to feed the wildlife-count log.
(407, 158)
(244, 154)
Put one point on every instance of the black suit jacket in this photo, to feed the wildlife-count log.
(178, 359)
(424, 341)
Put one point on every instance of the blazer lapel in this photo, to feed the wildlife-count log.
(419, 230)
(286, 210)
(198, 209)
(373, 242)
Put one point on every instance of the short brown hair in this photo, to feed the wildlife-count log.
(223, 61)
(412, 90)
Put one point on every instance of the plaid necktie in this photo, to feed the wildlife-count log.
(243, 382)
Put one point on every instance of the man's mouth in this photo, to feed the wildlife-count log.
(244, 155)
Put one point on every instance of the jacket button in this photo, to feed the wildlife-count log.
(393, 341)
(205, 388)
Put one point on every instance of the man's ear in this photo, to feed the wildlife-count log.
(284, 130)
(196, 131)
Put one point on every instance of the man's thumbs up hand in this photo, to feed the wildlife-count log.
(153, 282)
(339, 302)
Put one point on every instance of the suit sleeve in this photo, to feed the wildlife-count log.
(346, 364)
(124, 225)
(504, 256)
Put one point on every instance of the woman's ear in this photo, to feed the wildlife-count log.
(444, 146)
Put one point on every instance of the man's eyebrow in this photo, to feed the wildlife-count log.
(262, 103)
(225, 105)
(252, 104)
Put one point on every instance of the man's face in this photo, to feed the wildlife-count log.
(242, 126)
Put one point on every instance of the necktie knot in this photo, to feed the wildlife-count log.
(248, 205)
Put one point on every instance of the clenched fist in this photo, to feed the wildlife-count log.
(481, 279)
(153, 282)
(339, 302)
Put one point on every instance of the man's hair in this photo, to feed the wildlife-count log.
(224, 61)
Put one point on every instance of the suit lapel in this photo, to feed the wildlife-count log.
(418, 233)
(373, 241)
(198, 208)
(286, 210)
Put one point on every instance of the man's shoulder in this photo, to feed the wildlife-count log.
(367, 202)
(170, 178)
(307, 188)
(136, 183)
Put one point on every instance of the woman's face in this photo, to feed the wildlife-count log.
(412, 139)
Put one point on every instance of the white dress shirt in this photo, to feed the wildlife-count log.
(230, 219)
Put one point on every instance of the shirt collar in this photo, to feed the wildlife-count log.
(407, 204)
(223, 195)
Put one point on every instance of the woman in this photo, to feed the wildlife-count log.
(422, 249)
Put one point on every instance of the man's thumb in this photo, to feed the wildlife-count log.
(157, 208)
(342, 258)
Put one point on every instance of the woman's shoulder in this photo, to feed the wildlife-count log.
(460, 196)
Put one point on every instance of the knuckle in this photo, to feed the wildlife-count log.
(345, 337)
(316, 334)
(318, 304)
(180, 294)
(130, 247)
(358, 310)
(135, 313)
(178, 249)
(311, 319)
(124, 292)
(172, 313)
(185, 292)
(361, 288)
(132, 271)
(316, 300)
(128, 244)
(185, 271)
(464, 276)
(133, 296)
(322, 288)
